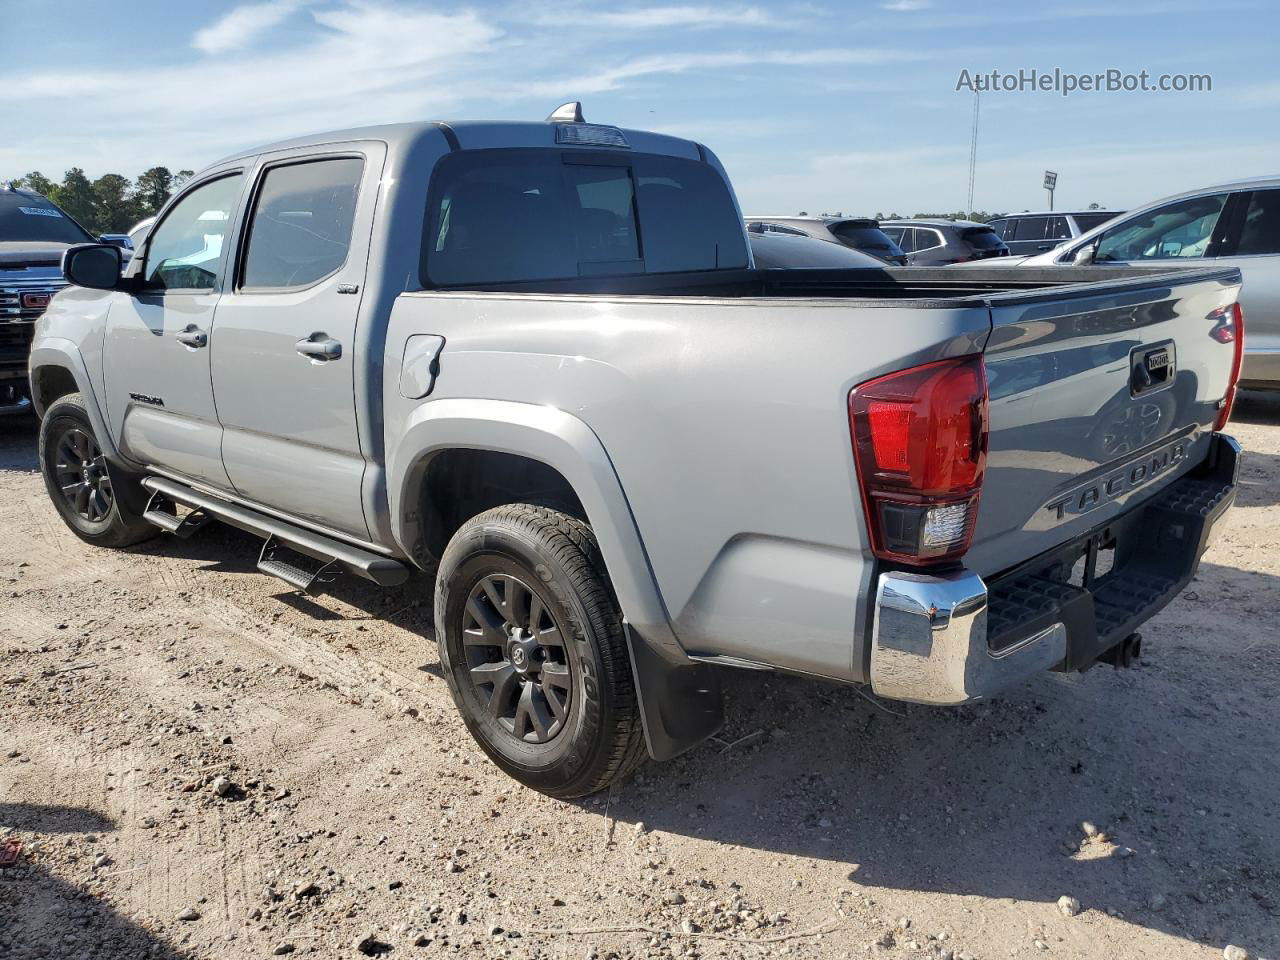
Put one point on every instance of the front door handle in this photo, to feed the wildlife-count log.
(319, 347)
(192, 337)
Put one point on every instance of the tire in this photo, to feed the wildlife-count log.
(522, 592)
(81, 485)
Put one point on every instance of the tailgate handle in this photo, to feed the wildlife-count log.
(1151, 367)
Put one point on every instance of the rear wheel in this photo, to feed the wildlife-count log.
(531, 642)
(82, 488)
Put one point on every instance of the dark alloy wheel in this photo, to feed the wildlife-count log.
(516, 658)
(532, 646)
(81, 473)
(86, 491)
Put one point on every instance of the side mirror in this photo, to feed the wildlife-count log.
(93, 265)
(1084, 256)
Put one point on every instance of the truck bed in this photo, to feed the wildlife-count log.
(930, 284)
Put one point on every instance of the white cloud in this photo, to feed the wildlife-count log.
(611, 78)
(905, 6)
(240, 27)
(655, 17)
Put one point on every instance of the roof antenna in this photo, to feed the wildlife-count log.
(570, 112)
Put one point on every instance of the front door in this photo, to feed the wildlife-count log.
(156, 353)
(284, 348)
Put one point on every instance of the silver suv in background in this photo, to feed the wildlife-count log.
(1231, 225)
(1028, 233)
(859, 233)
(937, 243)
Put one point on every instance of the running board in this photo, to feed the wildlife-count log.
(163, 512)
(383, 571)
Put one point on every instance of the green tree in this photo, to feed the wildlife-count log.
(116, 206)
(76, 196)
(152, 190)
(37, 182)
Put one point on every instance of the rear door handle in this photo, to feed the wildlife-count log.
(192, 337)
(319, 347)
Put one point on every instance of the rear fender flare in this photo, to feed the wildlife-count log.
(679, 699)
(551, 436)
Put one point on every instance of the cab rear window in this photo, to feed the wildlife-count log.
(513, 216)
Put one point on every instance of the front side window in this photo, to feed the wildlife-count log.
(300, 230)
(185, 251)
(511, 216)
(1177, 230)
(1261, 230)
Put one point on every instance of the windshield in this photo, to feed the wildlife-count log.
(982, 238)
(1087, 221)
(862, 237)
(27, 218)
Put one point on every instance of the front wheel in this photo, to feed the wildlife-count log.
(82, 489)
(532, 647)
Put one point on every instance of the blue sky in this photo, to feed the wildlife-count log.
(812, 106)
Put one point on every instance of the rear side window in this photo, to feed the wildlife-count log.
(1261, 230)
(1059, 229)
(927, 239)
(301, 226)
(1030, 228)
(497, 216)
(998, 226)
(26, 218)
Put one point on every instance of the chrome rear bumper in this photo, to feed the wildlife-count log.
(930, 641)
(951, 637)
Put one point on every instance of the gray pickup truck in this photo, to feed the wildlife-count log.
(535, 360)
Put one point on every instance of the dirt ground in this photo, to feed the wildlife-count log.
(359, 818)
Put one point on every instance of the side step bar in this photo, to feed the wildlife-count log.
(383, 571)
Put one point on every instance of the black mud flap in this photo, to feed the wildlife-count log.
(680, 700)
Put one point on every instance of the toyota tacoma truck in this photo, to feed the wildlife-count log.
(535, 361)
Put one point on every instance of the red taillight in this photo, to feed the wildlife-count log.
(920, 446)
(1229, 328)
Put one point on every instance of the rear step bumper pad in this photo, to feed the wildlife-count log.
(950, 638)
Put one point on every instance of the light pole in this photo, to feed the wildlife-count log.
(973, 150)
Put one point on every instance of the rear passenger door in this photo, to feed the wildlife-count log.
(1252, 243)
(284, 347)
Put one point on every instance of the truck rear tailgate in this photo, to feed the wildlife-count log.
(1100, 397)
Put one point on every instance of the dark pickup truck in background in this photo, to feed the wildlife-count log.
(34, 232)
